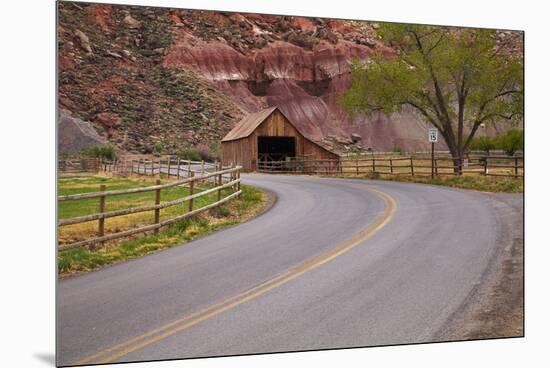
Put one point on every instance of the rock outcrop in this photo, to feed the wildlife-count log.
(75, 134)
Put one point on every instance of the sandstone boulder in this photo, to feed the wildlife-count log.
(83, 40)
(131, 22)
(74, 134)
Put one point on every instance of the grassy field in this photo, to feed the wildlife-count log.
(475, 182)
(83, 259)
(472, 177)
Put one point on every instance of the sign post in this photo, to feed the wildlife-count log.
(432, 138)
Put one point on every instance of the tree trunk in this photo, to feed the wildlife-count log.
(456, 154)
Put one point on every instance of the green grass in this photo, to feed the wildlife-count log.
(82, 259)
(86, 184)
(479, 182)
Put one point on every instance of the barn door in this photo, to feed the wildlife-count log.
(274, 151)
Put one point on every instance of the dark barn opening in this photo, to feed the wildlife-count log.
(276, 148)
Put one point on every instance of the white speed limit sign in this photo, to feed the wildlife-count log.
(432, 135)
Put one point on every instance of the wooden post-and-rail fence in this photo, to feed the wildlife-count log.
(191, 181)
(505, 166)
(161, 167)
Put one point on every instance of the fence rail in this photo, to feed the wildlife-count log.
(78, 165)
(231, 175)
(503, 166)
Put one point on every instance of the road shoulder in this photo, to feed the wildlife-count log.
(495, 307)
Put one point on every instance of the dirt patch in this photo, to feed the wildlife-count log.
(495, 308)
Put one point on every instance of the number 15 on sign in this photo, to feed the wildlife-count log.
(432, 135)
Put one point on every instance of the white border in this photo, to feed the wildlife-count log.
(27, 30)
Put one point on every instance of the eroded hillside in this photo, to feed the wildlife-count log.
(157, 80)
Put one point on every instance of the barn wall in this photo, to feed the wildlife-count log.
(237, 152)
(245, 151)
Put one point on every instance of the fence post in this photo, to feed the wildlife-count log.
(238, 173)
(485, 168)
(179, 160)
(516, 167)
(191, 187)
(373, 165)
(436, 169)
(189, 168)
(152, 167)
(169, 162)
(101, 221)
(220, 179)
(357, 167)
(157, 202)
(233, 177)
(391, 166)
(412, 167)
(202, 168)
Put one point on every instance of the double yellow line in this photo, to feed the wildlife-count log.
(119, 350)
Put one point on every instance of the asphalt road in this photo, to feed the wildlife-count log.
(335, 263)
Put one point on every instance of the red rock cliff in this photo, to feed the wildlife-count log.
(170, 78)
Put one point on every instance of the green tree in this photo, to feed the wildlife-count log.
(511, 142)
(456, 79)
(483, 143)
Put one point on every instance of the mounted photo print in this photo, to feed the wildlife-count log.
(238, 183)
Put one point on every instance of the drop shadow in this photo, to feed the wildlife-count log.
(46, 358)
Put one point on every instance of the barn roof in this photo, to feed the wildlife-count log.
(248, 124)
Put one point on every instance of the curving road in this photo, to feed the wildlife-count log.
(335, 263)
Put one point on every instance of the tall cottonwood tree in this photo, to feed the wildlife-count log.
(456, 79)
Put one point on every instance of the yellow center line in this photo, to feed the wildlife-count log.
(176, 326)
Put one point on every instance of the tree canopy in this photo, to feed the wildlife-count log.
(457, 79)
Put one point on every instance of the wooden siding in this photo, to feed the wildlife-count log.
(244, 151)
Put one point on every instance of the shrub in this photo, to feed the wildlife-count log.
(216, 150)
(483, 144)
(189, 154)
(205, 152)
(511, 142)
(398, 149)
(158, 149)
(107, 152)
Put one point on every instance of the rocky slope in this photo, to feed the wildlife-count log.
(156, 79)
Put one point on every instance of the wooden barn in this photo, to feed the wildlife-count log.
(267, 136)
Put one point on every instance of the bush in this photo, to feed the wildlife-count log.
(483, 144)
(201, 152)
(107, 152)
(216, 151)
(511, 142)
(205, 152)
(158, 149)
(398, 149)
(189, 154)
